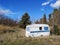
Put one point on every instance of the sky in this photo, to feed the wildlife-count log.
(35, 8)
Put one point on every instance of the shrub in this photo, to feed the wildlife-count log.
(56, 30)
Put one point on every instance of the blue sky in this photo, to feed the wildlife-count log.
(35, 8)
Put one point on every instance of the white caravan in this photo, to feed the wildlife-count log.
(35, 30)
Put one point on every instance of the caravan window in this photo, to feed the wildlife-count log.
(40, 28)
(45, 28)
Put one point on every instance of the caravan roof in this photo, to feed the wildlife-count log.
(37, 25)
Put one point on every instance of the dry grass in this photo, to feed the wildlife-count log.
(2, 27)
(18, 38)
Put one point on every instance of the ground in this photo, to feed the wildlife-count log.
(18, 38)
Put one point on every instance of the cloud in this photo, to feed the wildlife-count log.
(45, 3)
(56, 4)
(6, 11)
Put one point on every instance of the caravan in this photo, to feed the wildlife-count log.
(35, 30)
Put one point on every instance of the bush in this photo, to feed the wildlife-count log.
(51, 32)
(56, 30)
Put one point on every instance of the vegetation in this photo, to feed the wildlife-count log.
(7, 29)
(4, 20)
(18, 38)
(36, 22)
(42, 20)
(56, 30)
(25, 20)
(50, 20)
(55, 17)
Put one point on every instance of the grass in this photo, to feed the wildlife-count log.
(30, 41)
(18, 38)
(4, 28)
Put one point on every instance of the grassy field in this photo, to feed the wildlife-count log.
(18, 38)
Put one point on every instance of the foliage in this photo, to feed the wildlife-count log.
(4, 20)
(25, 20)
(51, 32)
(56, 17)
(44, 19)
(41, 21)
(56, 30)
(36, 22)
(50, 19)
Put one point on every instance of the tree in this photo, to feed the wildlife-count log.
(25, 20)
(5, 20)
(44, 19)
(50, 20)
(36, 22)
(41, 21)
(56, 17)
(49, 17)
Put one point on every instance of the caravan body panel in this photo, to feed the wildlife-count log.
(36, 30)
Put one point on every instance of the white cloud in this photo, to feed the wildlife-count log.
(6, 11)
(56, 4)
(45, 3)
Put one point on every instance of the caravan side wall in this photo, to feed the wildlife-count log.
(37, 30)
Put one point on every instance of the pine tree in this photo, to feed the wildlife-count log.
(25, 20)
(44, 19)
(49, 17)
(50, 20)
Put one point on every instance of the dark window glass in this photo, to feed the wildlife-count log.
(40, 28)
